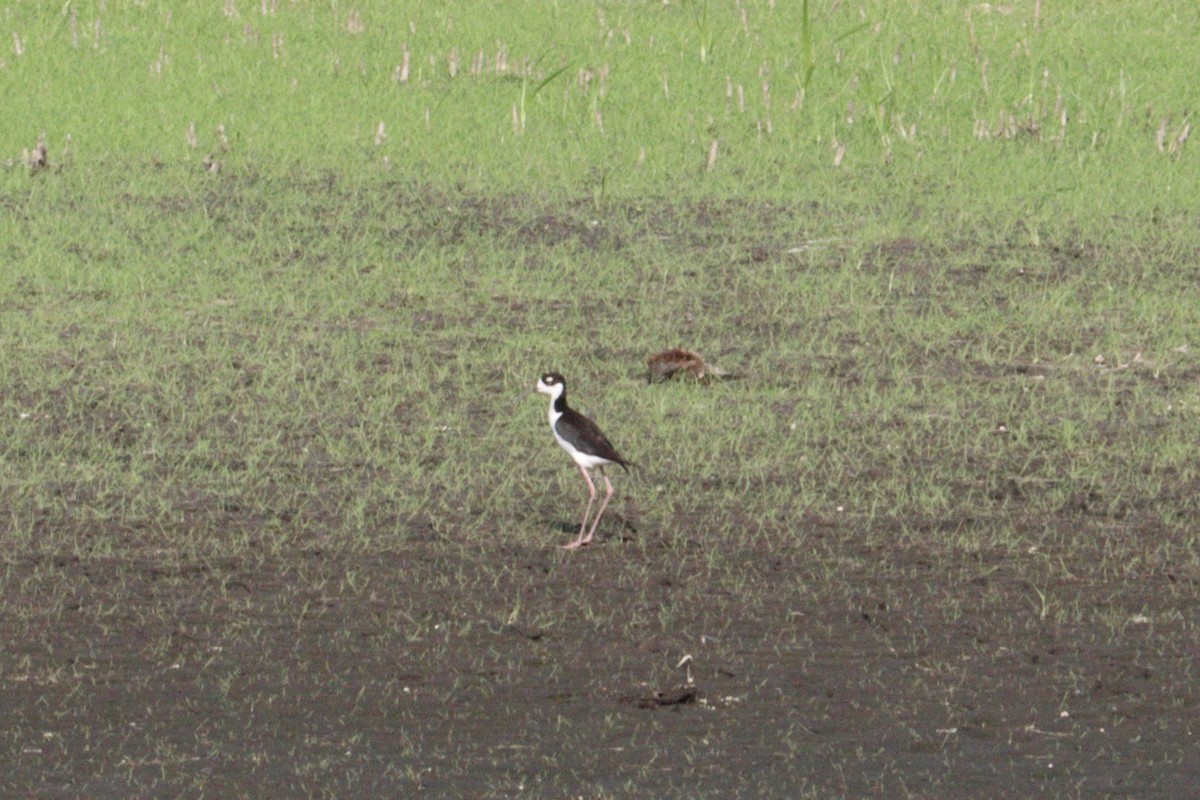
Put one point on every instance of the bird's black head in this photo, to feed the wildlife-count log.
(552, 384)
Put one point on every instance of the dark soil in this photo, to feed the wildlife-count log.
(836, 671)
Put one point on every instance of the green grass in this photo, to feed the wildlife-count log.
(1012, 117)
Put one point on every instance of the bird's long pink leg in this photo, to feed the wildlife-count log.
(579, 540)
(607, 496)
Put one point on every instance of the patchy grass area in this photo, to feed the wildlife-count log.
(274, 513)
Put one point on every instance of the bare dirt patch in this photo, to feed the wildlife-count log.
(838, 670)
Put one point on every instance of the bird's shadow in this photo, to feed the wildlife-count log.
(567, 527)
(614, 526)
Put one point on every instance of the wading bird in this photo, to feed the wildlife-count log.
(585, 443)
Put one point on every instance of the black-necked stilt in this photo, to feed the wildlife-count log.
(585, 443)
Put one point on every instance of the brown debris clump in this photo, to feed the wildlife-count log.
(664, 365)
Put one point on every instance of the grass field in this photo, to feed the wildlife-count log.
(277, 521)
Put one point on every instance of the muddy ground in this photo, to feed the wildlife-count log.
(835, 670)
